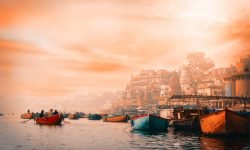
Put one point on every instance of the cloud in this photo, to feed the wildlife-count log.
(104, 67)
(10, 47)
(52, 48)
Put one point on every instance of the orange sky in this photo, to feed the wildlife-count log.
(61, 47)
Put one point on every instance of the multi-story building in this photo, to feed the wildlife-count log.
(239, 82)
(149, 86)
(211, 84)
(185, 82)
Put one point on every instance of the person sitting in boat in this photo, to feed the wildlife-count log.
(42, 113)
(28, 111)
(50, 113)
(55, 112)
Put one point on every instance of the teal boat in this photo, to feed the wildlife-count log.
(149, 122)
(94, 117)
(65, 115)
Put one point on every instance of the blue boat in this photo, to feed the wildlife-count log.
(149, 123)
(94, 117)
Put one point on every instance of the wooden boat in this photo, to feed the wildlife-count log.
(225, 122)
(73, 116)
(85, 116)
(94, 117)
(52, 120)
(27, 116)
(65, 115)
(104, 115)
(149, 122)
(187, 124)
(187, 119)
(80, 115)
(120, 118)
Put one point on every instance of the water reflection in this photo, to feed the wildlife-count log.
(148, 140)
(186, 132)
(164, 140)
(85, 134)
(148, 133)
(49, 126)
(224, 142)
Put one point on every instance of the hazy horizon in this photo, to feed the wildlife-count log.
(56, 49)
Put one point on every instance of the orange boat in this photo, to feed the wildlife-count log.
(72, 116)
(116, 119)
(225, 122)
(52, 120)
(27, 116)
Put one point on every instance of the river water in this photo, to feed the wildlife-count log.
(97, 135)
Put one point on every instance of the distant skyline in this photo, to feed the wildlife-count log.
(52, 48)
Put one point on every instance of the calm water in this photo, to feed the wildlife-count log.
(95, 135)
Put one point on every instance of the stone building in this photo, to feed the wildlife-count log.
(239, 82)
(213, 90)
(149, 86)
(185, 81)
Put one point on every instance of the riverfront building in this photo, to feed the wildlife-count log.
(212, 82)
(239, 82)
(151, 87)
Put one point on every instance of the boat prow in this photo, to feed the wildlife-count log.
(27, 116)
(149, 123)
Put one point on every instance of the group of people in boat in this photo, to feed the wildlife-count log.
(44, 114)
(48, 114)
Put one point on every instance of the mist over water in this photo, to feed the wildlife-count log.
(98, 135)
(88, 103)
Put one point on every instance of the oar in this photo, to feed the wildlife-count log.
(26, 121)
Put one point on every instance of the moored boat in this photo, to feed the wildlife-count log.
(149, 122)
(119, 118)
(80, 114)
(225, 122)
(51, 120)
(187, 124)
(187, 119)
(104, 115)
(94, 117)
(65, 115)
(27, 116)
(73, 116)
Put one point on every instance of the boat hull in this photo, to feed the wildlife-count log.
(94, 117)
(187, 124)
(27, 116)
(73, 116)
(225, 122)
(53, 120)
(65, 115)
(116, 119)
(150, 123)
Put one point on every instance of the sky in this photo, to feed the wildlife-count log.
(57, 48)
